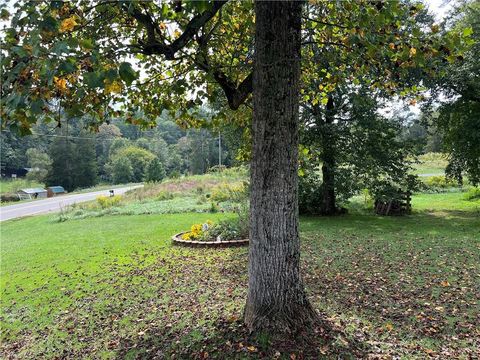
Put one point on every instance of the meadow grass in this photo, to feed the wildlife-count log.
(116, 287)
(431, 163)
(12, 186)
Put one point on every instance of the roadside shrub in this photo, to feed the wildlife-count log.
(472, 194)
(164, 195)
(9, 197)
(175, 174)
(106, 202)
(216, 169)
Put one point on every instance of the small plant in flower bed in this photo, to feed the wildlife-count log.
(224, 230)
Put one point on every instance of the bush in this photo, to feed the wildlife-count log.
(310, 194)
(9, 197)
(439, 182)
(108, 201)
(472, 194)
(164, 195)
(213, 207)
(230, 192)
(175, 174)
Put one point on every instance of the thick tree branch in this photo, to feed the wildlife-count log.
(154, 46)
(236, 95)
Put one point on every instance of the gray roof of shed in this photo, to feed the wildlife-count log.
(33, 190)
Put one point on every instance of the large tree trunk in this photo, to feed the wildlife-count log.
(328, 206)
(276, 298)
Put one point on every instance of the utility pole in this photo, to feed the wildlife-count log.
(219, 151)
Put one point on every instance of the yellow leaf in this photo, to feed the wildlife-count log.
(389, 327)
(413, 51)
(113, 87)
(445, 283)
(68, 24)
(252, 348)
(60, 83)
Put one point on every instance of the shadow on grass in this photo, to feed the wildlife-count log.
(230, 340)
(425, 221)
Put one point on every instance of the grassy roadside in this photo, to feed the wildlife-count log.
(22, 184)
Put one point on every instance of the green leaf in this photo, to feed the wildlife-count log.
(60, 48)
(87, 44)
(37, 106)
(467, 31)
(49, 24)
(20, 51)
(93, 80)
(110, 74)
(127, 73)
(67, 66)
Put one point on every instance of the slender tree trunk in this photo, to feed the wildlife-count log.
(328, 205)
(276, 298)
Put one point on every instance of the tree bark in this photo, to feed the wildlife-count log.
(276, 297)
(328, 205)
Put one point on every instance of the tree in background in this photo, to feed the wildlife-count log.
(459, 116)
(121, 170)
(106, 134)
(155, 171)
(117, 144)
(368, 148)
(62, 153)
(139, 159)
(85, 163)
(40, 164)
(73, 163)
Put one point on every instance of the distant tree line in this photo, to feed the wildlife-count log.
(75, 157)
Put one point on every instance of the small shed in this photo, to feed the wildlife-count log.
(55, 190)
(34, 193)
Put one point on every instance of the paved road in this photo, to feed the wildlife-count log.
(53, 204)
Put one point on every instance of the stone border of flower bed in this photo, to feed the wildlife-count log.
(177, 239)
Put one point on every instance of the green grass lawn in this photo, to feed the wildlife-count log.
(115, 286)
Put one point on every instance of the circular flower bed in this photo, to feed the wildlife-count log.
(225, 233)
